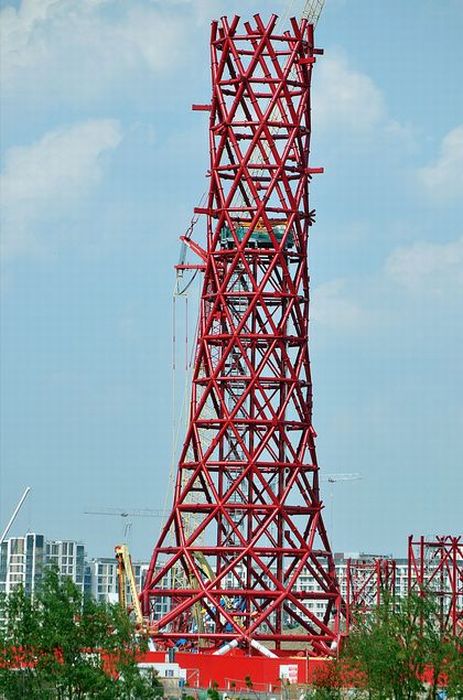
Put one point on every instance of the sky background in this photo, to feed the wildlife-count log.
(102, 164)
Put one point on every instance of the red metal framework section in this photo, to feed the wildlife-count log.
(246, 520)
(435, 567)
(367, 581)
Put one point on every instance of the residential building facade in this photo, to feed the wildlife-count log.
(69, 557)
(21, 562)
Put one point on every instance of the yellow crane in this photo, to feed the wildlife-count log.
(125, 574)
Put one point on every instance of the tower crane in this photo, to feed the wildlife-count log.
(311, 11)
(125, 573)
(126, 513)
(15, 513)
(334, 478)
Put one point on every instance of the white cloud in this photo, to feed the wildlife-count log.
(348, 101)
(443, 180)
(332, 307)
(429, 268)
(39, 181)
(423, 270)
(78, 49)
(344, 97)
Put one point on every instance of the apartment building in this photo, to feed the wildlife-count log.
(69, 557)
(21, 562)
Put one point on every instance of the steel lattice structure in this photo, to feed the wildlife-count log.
(247, 513)
(367, 581)
(435, 567)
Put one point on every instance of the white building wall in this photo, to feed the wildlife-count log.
(69, 557)
(104, 579)
(21, 562)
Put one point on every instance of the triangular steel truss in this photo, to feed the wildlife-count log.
(248, 474)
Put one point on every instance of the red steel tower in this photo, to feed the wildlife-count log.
(367, 582)
(435, 567)
(246, 518)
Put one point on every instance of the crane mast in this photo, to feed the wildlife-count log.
(312, 11)
(15, 514)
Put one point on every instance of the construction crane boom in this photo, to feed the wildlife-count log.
(123, 513)
(312, 11)
(334, 478)
(127, 514)
(125, 573)
(15, 513)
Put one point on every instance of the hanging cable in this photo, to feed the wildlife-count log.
(173, 334)
(181, 292)
(184, 249)
(186, 333)
(174, 422)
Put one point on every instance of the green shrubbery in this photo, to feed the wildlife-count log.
(64, 646)
(396, 652)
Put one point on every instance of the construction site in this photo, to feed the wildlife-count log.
(222, 594)
(242, 582)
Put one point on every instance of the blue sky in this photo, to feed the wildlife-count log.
(102, 164)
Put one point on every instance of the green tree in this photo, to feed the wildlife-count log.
(19, 636)
(68, 647)
(389, 651)
(453, 670)
(384, 648)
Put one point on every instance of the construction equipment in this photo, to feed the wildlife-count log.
(125, 574)
(139, 513)
(311, 11)
(334, 478)
(15, 513)
(125, 514)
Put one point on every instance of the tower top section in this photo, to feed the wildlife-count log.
(259, 133)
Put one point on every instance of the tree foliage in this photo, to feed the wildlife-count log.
(63, 645)
(398, 651)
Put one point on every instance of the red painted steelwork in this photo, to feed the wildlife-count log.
(231, 672)
(246, 519)
(435, 567)
(366, 582)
